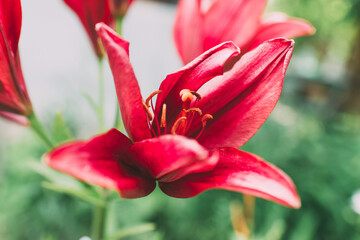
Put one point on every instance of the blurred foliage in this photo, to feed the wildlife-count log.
(333, 20)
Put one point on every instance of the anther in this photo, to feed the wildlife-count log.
(198, 110)
(176, 125)
(186, 95)
(147, 110)
(151, 96)
(163, 116)
(198, 96)
(205, 118)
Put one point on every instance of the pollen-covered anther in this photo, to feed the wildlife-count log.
(148, 112)
(148, 99)
(198, 96)
(205, 118)
(163, 116)
(198, 110)
(186, 95)
(176, 124)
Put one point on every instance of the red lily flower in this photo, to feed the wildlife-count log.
(198, 29)
(90, 12)
(188, 142)
(14, 99)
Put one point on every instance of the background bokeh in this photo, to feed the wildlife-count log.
(313, 134)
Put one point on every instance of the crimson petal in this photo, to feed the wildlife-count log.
(229, 20)
(243, 98)
(241, 172)
(15, 118)
(90, 12)
(100, 161)
(188, 30)
(127, 87)
(280, 25)
(192, 76)
(170, 157)
(13, 93)
(10, 22)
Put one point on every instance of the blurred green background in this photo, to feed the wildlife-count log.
(313, 135)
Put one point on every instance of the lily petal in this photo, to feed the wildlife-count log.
(170, 157)
(192, 76)
(280, 25)
(100, 161)
(10, 22)
(241, 172)
(127, 87)
(242, 99)
(15, 118)
(90, 12)
(188, 30)
(13, 93)
(229, 20)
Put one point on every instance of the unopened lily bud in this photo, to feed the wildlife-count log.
(15, 103)
(119, 7)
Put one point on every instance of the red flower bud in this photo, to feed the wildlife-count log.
(14, 99)
(91, 12)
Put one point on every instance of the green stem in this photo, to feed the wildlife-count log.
(38, 128)
(118, 123)
(101, 96)
(99, 218)
(118, 25)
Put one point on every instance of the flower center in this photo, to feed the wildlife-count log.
(183, 121)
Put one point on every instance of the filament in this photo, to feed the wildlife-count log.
(176, 125)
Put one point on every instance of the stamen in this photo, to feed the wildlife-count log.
(198, 96)
(163, 116)
(147, 110)
(176, 125)
(151, 96)
(155, 118)
(198, 110)
(186, 95)
(205, 118)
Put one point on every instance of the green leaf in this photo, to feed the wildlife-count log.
(55, 176)
(82, 194)
(91, 102)
(61, 131)
(65, 184)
